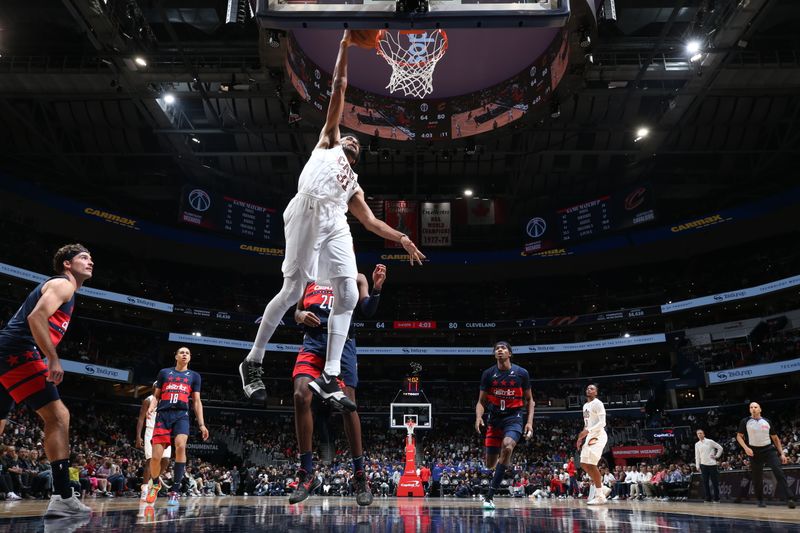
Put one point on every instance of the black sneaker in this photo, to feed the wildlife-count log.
(791, 504)
(328, 389)
(251, 381)
(363, 494)
(308, 484)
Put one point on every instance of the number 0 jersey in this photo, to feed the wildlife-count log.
(176, 388)
(505, 389)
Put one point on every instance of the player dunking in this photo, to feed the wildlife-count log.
(505, 394)
(313, 312)
(147, 419)
(594, 423)
(33, 333)
(319, 245)
(174, 388)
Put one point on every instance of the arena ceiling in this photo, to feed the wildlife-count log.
(80, 117)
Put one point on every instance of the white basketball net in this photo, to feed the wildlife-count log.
(413, 56)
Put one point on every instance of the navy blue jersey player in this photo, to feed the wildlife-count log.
(174, 388)
(505, 395)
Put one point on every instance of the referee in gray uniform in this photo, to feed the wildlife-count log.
(762, 446)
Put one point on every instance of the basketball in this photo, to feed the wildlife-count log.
(364, 38)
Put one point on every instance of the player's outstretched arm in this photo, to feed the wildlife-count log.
(330, 132)
(359, 208)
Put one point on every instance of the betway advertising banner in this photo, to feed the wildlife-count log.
(744, 373)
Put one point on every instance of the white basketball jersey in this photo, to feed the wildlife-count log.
(329, 177)
(150, 422)
(594, 416)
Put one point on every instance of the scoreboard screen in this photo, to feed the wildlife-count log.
(221, 213)
(589, 219)
(585, 220)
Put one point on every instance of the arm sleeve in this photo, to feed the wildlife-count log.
(600, 410)
(743, 427)
(719, 449)
(369, 305)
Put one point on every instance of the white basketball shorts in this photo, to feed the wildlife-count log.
(593, 447)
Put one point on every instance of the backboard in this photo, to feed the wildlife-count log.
(399, 413)
(398, 14)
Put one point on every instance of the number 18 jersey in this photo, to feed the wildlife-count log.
(176, 388)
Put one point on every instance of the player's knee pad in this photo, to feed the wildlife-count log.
(345, 290)
(291, 291)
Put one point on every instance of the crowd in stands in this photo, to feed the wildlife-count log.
(779, 346)
(105, 463)
(119, 271)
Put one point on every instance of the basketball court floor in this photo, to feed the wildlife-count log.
(387, 515)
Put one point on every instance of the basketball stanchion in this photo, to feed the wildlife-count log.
(410, 485)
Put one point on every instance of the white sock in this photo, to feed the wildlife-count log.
(345, 293)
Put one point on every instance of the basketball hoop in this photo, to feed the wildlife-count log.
(413, 55)
(410, 427)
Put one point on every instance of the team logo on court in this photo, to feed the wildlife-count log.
(536, 227)
(199, 200)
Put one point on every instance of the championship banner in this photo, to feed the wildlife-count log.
(752, 372)
(625, 452)
(435, 224)
(402, 215)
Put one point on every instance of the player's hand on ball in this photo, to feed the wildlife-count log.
(310, 319)
(413, 251)
(204, 432)
(479, 425)
(378, 276)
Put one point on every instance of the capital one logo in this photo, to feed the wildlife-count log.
(536, 227)
(414, 483)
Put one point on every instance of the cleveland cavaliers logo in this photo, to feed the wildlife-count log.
(592, 441)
